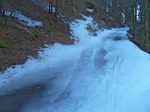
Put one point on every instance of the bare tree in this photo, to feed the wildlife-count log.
(56, 7)
(1, 7)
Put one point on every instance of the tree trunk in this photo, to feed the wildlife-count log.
(56, 7)
(1, 7)
(146, 24)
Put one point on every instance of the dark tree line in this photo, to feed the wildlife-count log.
(2, 10)
(132, 13)
(53, 6)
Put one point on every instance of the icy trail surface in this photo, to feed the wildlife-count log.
(102, 73)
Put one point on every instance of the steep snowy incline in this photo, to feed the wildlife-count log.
(102, 73)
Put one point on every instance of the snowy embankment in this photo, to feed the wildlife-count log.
(25, 20)
(103, 73)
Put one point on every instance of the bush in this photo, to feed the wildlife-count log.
(5, 42)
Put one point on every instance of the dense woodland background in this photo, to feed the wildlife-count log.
(132, 13)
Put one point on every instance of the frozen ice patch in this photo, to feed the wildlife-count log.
(25, 20)
(90, 10)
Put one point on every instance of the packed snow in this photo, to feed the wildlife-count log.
(25, 20)
(102, 73)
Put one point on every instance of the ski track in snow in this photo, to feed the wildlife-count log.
(105, 73)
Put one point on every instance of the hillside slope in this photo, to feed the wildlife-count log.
(100, 73)
(25, 29)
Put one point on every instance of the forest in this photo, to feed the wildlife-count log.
(74, 55)
(132, 13)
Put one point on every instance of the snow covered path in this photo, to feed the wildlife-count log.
(103, 73)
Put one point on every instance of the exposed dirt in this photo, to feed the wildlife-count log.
(26, 41)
